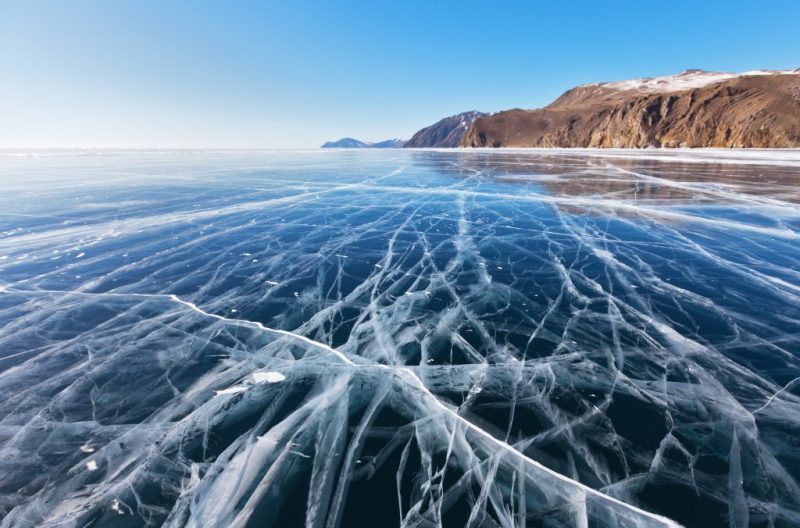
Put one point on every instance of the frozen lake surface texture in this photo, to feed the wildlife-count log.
(400, 338)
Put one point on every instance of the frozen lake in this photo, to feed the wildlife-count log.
(400, 338)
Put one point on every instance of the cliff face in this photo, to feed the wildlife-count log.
(693, 109)
(446, 133)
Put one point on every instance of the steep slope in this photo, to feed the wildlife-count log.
(445, 133)
(692, 109)
(355, 143)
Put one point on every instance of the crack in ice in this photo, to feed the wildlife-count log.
(412, 380)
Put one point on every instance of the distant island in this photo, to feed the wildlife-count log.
(695, 108)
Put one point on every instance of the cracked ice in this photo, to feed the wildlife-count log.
(400, 338)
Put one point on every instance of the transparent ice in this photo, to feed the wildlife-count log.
(400, 338)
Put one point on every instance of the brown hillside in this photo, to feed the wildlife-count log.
(759, 110)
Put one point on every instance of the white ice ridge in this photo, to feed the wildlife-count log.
(409, 375)
(772, 398)
(255, 324)
(192, 306)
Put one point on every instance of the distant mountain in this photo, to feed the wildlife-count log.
(354, 143)
(446, 133)
(345, 143)
(759, 109)
(389, 143)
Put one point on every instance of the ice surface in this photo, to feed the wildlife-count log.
(405, 338)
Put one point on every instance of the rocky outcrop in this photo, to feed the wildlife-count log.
(446, 133)
(692, 109)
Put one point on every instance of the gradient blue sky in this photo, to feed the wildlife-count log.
(108, 73)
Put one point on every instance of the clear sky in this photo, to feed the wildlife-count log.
(292, 74)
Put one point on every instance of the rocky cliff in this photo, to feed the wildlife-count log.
(692, 109)
(445, 133)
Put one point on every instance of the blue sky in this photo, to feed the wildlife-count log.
(238, 74)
